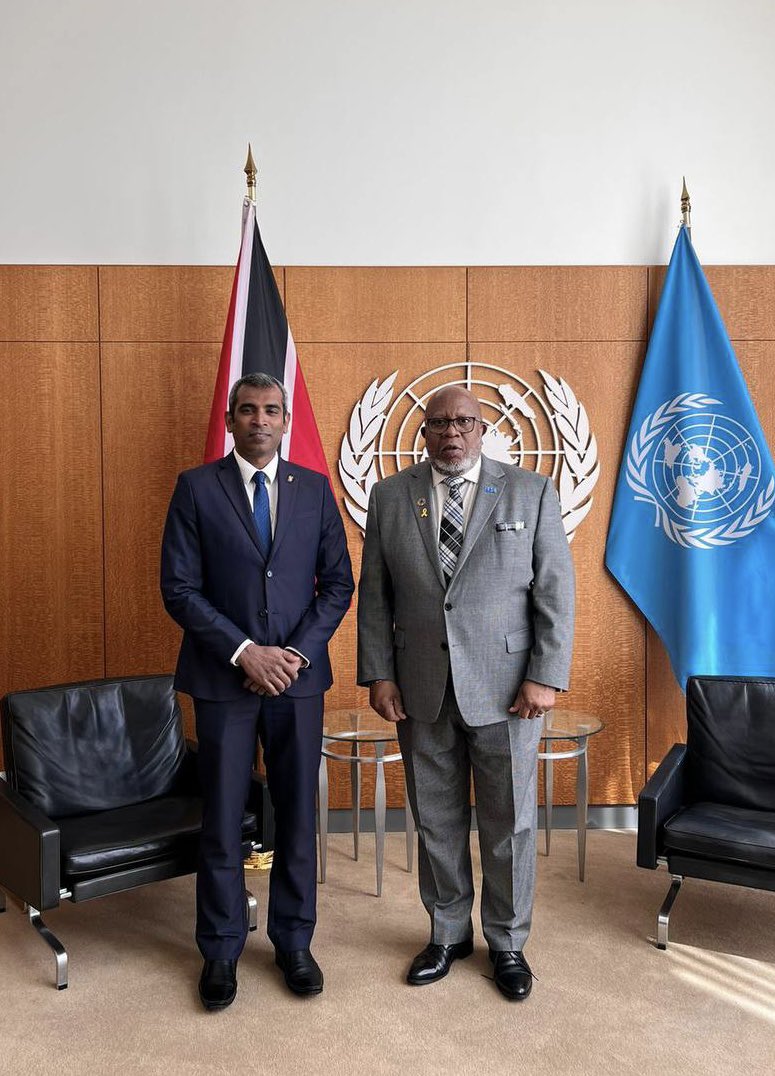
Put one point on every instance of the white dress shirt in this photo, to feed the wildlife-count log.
(247, 470)
(467, 491)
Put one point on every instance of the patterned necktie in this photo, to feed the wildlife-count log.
(261, 515)
(451, 532)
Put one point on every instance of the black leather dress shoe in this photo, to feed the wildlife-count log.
(218, 983)
(434, 962)
(513, 976)
(301, 971)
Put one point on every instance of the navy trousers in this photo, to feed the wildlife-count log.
(291, 733)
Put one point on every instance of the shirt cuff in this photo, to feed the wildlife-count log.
(238, 651)
(304, 661)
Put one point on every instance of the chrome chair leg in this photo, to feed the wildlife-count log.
(60, 953)
(663, 919)
(252, 910)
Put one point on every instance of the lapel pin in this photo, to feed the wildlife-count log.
(424, 513)
(490, 489)
(290, 478)
(421, 502)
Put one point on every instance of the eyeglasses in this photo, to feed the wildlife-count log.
(463, 423)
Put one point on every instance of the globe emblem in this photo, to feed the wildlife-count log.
(706, 469)
(520, 426)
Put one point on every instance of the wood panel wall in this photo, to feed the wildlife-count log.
(107, 378)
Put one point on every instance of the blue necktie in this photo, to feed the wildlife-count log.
(261, 515)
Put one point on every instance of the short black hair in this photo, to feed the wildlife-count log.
(257, 381)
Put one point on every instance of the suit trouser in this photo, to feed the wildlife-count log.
(439, 758)
(291, 733)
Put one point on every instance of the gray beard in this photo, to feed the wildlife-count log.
(464, 465)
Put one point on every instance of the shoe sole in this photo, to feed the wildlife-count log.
(214, 1006)
(514, 997)
(444, 974)
(311, 992)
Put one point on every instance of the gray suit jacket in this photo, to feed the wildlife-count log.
(507, 615)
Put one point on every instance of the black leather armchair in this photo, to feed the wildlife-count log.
(709, 809)
(101, 795)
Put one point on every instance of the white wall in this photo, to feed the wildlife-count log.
(386, 131)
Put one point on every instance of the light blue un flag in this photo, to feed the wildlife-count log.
(692, 532)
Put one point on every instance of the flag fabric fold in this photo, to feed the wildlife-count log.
(258, 339)
(692, 532)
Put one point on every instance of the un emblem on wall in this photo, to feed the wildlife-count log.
(547, 433)
(701, 471)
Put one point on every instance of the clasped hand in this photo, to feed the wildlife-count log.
(269, 670)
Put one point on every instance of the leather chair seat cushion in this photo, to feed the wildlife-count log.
(127, 836)
(718, 831)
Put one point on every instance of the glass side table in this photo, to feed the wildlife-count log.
(360, 729)
(576, 728)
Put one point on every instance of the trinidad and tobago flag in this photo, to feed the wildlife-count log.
(258, 340)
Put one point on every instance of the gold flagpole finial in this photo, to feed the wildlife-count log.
(686, 208)
(251, 172)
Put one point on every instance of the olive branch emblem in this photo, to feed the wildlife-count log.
(579, 470)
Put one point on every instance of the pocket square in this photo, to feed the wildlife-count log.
(515, 525)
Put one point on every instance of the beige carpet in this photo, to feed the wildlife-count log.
(606, 1001)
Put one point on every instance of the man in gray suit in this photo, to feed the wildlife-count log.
(465, 631)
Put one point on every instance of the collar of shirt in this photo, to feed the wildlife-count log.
(247, 470)
(471, 475)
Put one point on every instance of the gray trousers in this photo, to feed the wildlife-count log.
(439, 759)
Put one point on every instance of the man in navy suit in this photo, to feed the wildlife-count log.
(255, 569)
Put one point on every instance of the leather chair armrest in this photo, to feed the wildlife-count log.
(29, 851)
(662, 796)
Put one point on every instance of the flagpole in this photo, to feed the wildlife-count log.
(251, 172)
(686, 209)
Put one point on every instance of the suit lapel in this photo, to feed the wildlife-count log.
(488, 493)
(287, 488)
(422, 503)
(230, 477)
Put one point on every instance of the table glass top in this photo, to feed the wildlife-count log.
(363, 725)
(569, 724)
(359, 725)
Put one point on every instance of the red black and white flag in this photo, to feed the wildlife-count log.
(258, 340)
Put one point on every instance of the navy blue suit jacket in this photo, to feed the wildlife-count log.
(219, 588)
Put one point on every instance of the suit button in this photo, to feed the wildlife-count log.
(269, 574)
(447, 605)
(444, 646)
(262, 612)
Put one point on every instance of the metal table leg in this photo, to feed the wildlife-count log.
(582, 794)
(323, 814)
(548, 795)
(380, 803)
(409, 830)
(355, 786)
